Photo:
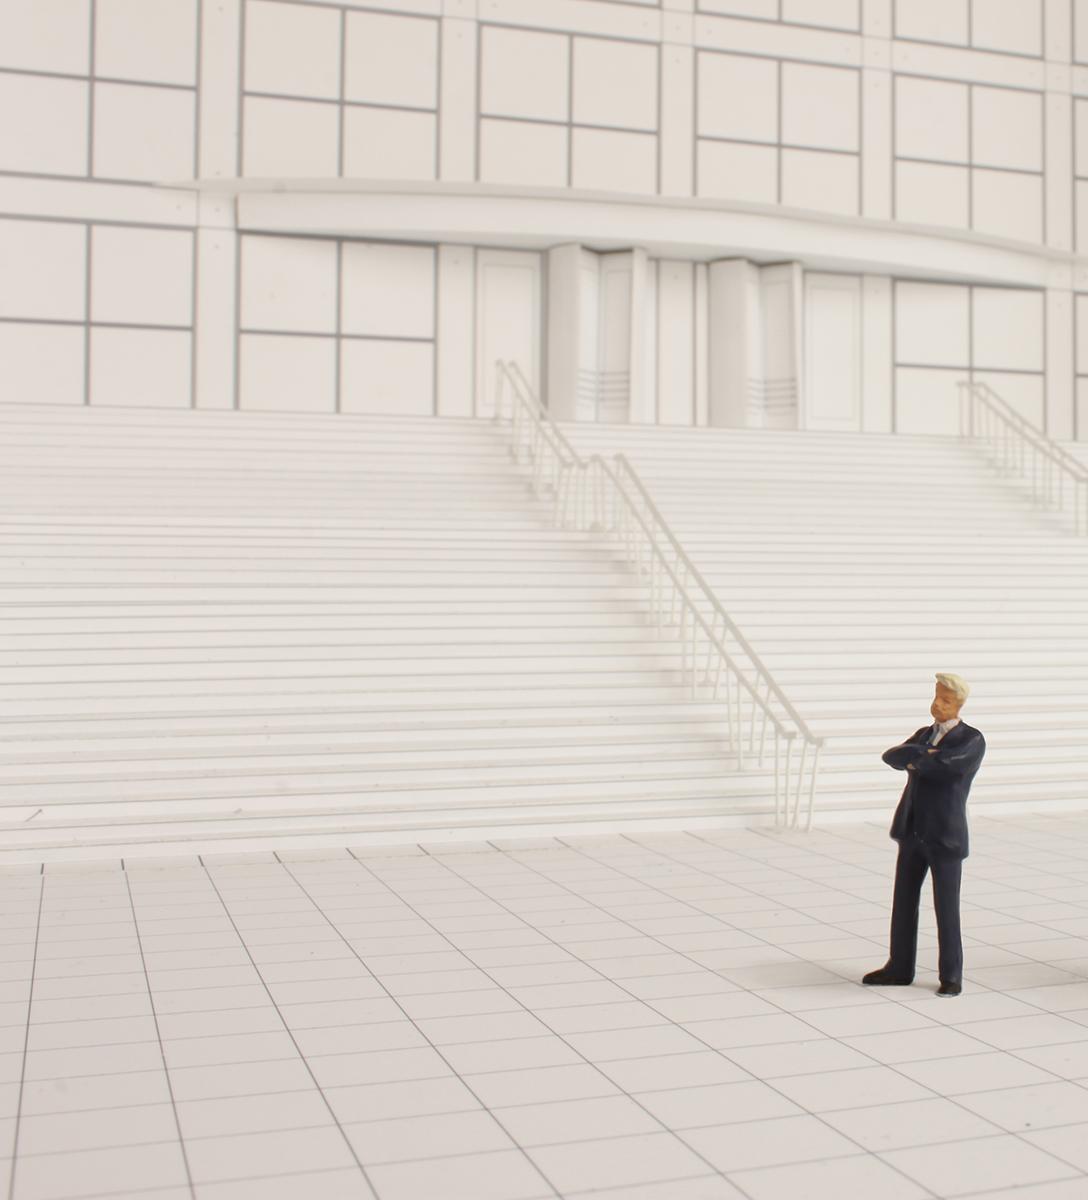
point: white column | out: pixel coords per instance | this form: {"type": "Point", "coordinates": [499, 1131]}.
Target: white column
{"type": "Point", "coordinates": [1058, 24]}
{"type": "Point", "coordinates": [876, 354]}
{"type": "Point", "coordinates": [877, 139]}
{"type": "Point", "coordinates": [216, 237]}
{"type": "Point", "coordinates": [730, 334]}
{"type": "Point", "coordinates": [677, 132]}
{"type": "Point", "coordinates": [702, 344]}
{"type": "Point", "coordinates": [216, 291]}
{"type": "Point", "coordinates": [876, 18]}
{"type": "Point", "coordinates": [677, 344]}
{"type": "Point", "coordinates": [778, 369]}
{"type": "Point", "coordinates": [1059, 158]}
{"type": "Point", "coordinates": [457, 103]}
{"type": "Point", "coordinates": [640, 391]}
{"type": "Point", "coordinates": [876, 110]}
{"type": "Point", "coordinates": [220, 36]}
{"type": "Point", "coordinates": [455, 336]}
{"type": "Point", "coordinates": [1060, 381]}
{"type": "Point", "coordinates": [564, 325]}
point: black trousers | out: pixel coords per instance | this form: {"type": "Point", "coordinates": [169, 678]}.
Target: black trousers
{"type": "Point", "coordinates": [915, 859]}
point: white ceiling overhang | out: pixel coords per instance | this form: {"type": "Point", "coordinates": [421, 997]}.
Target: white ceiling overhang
{"type": "Point", "coordinates": [667, 227]}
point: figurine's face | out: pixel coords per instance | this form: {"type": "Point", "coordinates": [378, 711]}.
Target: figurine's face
{"type": "Point", "coordinates": [946, 704]}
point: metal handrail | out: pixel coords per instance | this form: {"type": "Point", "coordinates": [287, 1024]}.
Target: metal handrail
{"type": "Point", "coordinates": [757, 666]}
{"type": "Point", "coordinates": [592, 494]}
{"type": "Point", "coordinates": [1015, 446]}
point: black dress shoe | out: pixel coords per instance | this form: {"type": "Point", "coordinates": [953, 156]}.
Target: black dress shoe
{"type": "Point", "coordinates": [950, 987]}
{"type": "Point", "coordinates": [886, 977]}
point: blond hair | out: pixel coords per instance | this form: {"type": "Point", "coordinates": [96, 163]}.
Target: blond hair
{"type": "Point", "coordinates": [954, 683]}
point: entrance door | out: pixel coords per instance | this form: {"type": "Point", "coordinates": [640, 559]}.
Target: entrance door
{"type": "Point", "coordinates": [832, 391]}
{"type": "Point", "coordinates": [507, 319]}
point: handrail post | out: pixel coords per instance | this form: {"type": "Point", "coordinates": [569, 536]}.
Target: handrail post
{"type": "Point", "coordinates": [1014, 446]}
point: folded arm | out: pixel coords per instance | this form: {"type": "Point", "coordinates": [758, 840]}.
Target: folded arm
{"type": "Point", "coordinates": [955, 760]}
{"type": "Point", "coordinates": [906, 754]}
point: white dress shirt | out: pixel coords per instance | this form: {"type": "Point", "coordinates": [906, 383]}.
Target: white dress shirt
{"type": "Point", "coordinates": [944, 728]}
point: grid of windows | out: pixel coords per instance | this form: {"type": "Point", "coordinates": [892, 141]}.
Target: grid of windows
{"type": "Point", "coordinates": [330, 91]}
{"type": "Point", "coordinates": [103, 89]}
{"type": "Point", "coordinates": [778, 132]}
{"type": "Point", "coordinates": [970, 156]}
{"type": "Point", "coordinates": [945, 333]}
{"type": "Point", "coordinates": [1014, 27]}
{"type": "Point", "coordinates": [121, 335]}
{"type": "Point", "coordinates": [329, 325]}
{"type": "Point", "coordinates": [563, 110]}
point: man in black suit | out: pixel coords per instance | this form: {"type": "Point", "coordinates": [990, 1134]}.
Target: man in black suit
{"type": "Point", "coordinates": [930, 826]}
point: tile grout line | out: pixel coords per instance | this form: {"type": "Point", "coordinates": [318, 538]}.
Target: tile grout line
{"type": "Point", "coordinates": [26, 1048]}
{"type": "Point", "coordinates": [162, 1049]}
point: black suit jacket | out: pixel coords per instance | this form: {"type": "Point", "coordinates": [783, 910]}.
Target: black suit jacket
{"type": "Point", "coordinates": [934, 802]}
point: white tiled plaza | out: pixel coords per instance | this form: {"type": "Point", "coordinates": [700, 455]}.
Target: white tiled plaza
{"type": "Point", "coordinates": [659, 1017]}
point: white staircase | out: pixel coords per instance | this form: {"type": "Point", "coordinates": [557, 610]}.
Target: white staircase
{"type": "Point", "coordinates": [858, 565]}
{"type": "Point", "coordinates": [239, 631]}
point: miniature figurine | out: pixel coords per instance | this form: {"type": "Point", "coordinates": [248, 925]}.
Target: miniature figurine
{"type": "Point", "coordinates": [930, 826]}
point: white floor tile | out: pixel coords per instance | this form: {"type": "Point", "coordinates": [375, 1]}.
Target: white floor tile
{"type": "Point", "coordinates": [238, 1156]}
{"type": "Point", "coordinates": [713, 1006]}
{"type": "Point", "coordinates": [914, 1044]}
{"type": "Point", "coordinates": [716, 1104]}
{"type": "Point", "coordinates": [1019, 1033]}
{"type": "Point", "coordinates": [541, 1084]}
{"type": "Point", "coordinates": [70, 1094]}
{"type": "Point", "coordinates": [656, 1039]}
{"type": "Point", "coordinates": [510, 1055]}
{"type": "Point", "coordinates": [798, 1058]}
{"type": "Point", "coordinates": [960, 1075]}
{"type": "Point", "coordinates": [377, 1066]}
{"type": "Point", "coordinates": [850, 1089]}
{"type": "Point", "coordinates": [1066, 1189]}
{"type": "Point", "coordinates": [253, 1114]}
{"type": "Point", "coordinates": [673, 1071]}
{"type": "Point", "coordinates": [959, 1168]}
{"type": "Point", "coordinates": [403, 1139]}
{"type": "Point", "coordinates": [706, 1187]}
{"type": "Point", "coordinates": [576, 1120]}
{"type": "Point", "coordinates": [829, 1179]}
{"type": "Point", "coordinates": [347, 1184]}
{"type": "Point", "coordinates": [1020, 1109]}
{"type": "Point", "coordinates": [913, 1123]}
{"type": "Point", "coordinates": [91, 1172]}
{"type": "Point", "coordinates": [54, 1133]}
{"type": "Point", "coordinates": [501, 1175]}
{"type": "Point", "coordinates": [766, 1143]}
{"type": "Point", "coordinates": [1069, 1143]}
{"type": "Point", "coordinates": [886, 1017]}
{"type": "Point", "coordinates": [613, 1162]}
{"type": "Point", "coordinates": [751, 1031]}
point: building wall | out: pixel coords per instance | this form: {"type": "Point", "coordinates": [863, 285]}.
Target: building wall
{"type": "Point", "coordinates": [970, 115]}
